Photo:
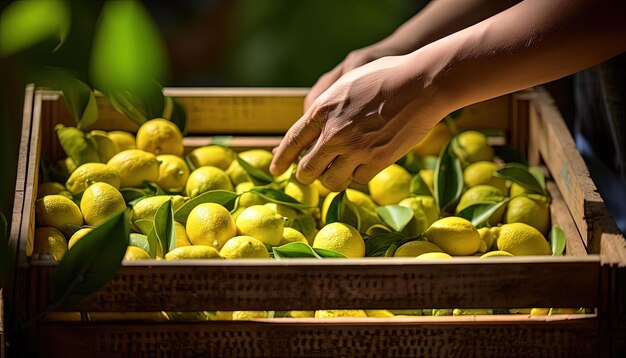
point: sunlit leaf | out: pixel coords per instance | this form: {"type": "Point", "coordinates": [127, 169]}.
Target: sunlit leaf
{"type": "Point", "coordinates": [77, 145]}
{"type": "Point", "coordinates": [324, 253]}
{"type": "Point", "coordinates": [520, 174]}
{"type": "Point", "coordinates": [225, 198]}
{"type": "Point", "coordinates": [259, 176]}
{"type": "Point", "coordinates": [378, 245]}
{"type": "Point", "coordinates": [294, 250]}
{"type": "Point", "coordinates": [164, 226]}
{"type": "Point", "coordinates": [418, 186]}
{"type": "Point", "coordinates": [139, 105]}
{"type": "Point", "coordinates": [448, 179]}
{"type": "Point", "coordinates": [557, 241]}
{"type": "Point", "coordinates": [140, 241]}
{"type": "Point", "coordinates": [480, 213]}
{"type": "Point", "coordinates": [395, 216]}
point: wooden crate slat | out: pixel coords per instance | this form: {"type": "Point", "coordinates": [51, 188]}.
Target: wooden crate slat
{"type": "Point", "coordinates": [334, 284]}
{"type": "Point", "coordinates": [345, 338]}
{"type": "Point", "coordinates": [561, 216]}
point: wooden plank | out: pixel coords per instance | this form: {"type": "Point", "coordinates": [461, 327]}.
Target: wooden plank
{"type": "Point", "coordinates": [560, 215]}
{"type": "Point", "coordinates": [459, 338]}
{"type": "Point", "coordinates": [300, 284]}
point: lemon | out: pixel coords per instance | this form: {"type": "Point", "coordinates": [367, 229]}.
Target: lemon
{"type": "Point", "coordinates": [247, 315]}
{"type": "Point", "coordinates": [90, 173]}
{"type": "Point", "coordinates": [434, 141]}
{"type": "Point", "coordinates": [49, 188]}
{"type": "Point", "coordinates": [210, 224]}
{"type": "Point", "coordinates": [194, 252]}
{"type": "Point", "coordinates": [135, 253]}
{"type": "Point", "coordinates": [425, 212]}
{"type": "Point", "coordinates": [248, 199]}
{"type": "Point", "coordinates": [497, 253]}
{"type": "Point", "coordinates": [471, 147]}
{"type": "Point", "coordinates": [520, 239]}
{"type": "Point", "coordinates": [482, 172]}
{"type": "Point", "coordinates": [212, 155]}
{"type": "Point", "coordinates": [100, 202]}
{"type": "Point", "coordinates": [235, 214]}
{"type": "Point", "coordinates": [50, 241]}
{"type": "Point", "coordinates": [292, 235]}
{"type": "Point", "coordinates": [456, 236]}
{"type": "Point", "coordinates": [160, 136]}
{"type": "Point", "coordinates": [173, 173]}
{"type": "Point", "coordinates": [258, 158]}
{"type": "Point", "coordinates": [487, 236]}
{"type": "Point", "coordinates": [482, 194]}
{"type": "Point", "coordinates": [262, 223]}
{"type": "Point", "coordinates": [363, 204]}
{"type": "Point", "coordinates": [69, 164]}
{"type": "Point", "coordinates": [516, 190]}
{"type": "Point", "coordinates": [58, 212]}
{"type": "Point", "coordinates": [289, 214]}
{"type": "Point", "coordinates": [78, 235]}
{"type": "Point", "coordinates": [531, 209]}
{"type": "Point", "coordinates": [379, 313]}
{"type": "Point", "coordinates": [539, 311]}
{"type": "Point", "coordinates": [104, 145]}
{"type": "Point", "coordinates": [341, 238]}
{"type": "Point", "coordinates": [339, 313]}
{"type": "Point", "coordinates": [181, 235]}
{"type": "Point", "coordinates": [472, 311]}
{"type": "Point", "coordinates": [390, 185]}
{"type": "Point", "coordinates": [434, 255]}
{"type": "Point", "coordinates": [237, 173]}
{"type": "Point", "coordinates": [135, 167]}
{"type": "Point", "coordinates": [305, 194]}
{"type": "Point", "coordinates": [483, 248]}
{"type": "Point", "coordinates": [428, 177]}
{"type": "Point", "coordinates": [416, 248]}
{"type": "Point", "coordinates": [123, 140]}
{"type": "Point", "coordinates": [206, 179]}
{"type": "Point", "coordinates": [301, 314]}
{"type": "Point", "coordinates": [145, 208]}
{"type": "Point", "coordinates": [244, 247]}
{"type": "Point", "coordinates": [224, 315]}
{"type": "Point", "coordinates": [321, 189]}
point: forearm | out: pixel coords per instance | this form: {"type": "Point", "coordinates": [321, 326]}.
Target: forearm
{"type": "Point", "coordinates": [439, 19]}
{"type": "Point", "coordinates": [531, 43]}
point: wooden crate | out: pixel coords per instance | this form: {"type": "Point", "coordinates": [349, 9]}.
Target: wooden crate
{"type": "Point", "coordinates": [591, 275]}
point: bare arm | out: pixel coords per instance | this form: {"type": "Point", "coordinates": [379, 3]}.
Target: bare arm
{"type": "Point", "coordinates": [438, 19]}
{"type": "Point", "coordinates": [376, 113]}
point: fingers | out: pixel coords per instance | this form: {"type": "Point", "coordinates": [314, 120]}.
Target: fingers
{"type": "Point", "coordinates": [322, 84]}
{"type": "Point", "coordinates": [299, 136]}
{"type": "Point", "coordinates": [315, 162]}
{"type": "Point", "coordinates": [339, 175]}
{"type": "Point", "coordinates": [365, 172]}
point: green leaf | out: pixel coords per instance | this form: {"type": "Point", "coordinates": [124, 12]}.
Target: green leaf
{"type": "Point", "coordinates": [279, 197]}
{"type": "Point", "coordinates": [395, 216]}
{"type": "Point", "coordinates": [342, 210]}
{"type": "Point", "coordinates": [557, 241]}
{"type": "Point", "coordinates": [509, 154]}
{"type": "Point", "coordinates": [378, 245]}
{"type": "Point", "coordinates": [520, 174]}
{"type": "Point", "coordinates": [448, 179]}
{"type": "Point", "coordinates": [154, 188]}
{"type": "Point", "coordinates": [324, 253]}
{"type": "Point", "coordinates": [257, 174]}
{"type": "Point", "coordinates": [224, 198]}
{"type": "Point", "coordinates": [418, 187]}
{"type": "Point", "coordinates": [164, 227]}
{"type": "Point", "coordinates": [140, 241]}
{"type": "Point", "coordinates": [139, 106]}
{"type": "Point", "coordinates": [92, 262]}
{"type": "Point", "coordinates": [144, 225]}
{"type": "Point", "coordinates": [538, 174]}
{"type": "Point", "coordinates": [333, 214]}
{"type": "Point", "coordinates": [480, 213]}
{"type": "Point", "coordinates": [175, 112]}
{"type": "Point", "coordinates": [391, 250]}
{"type": "Point", "coordinates": [24, 24]}
{"type": "Point", "coordinates": [5, 262]}
{"type": "Point", "coordinates": [77, 145]}
{"type": "Point", "coordinates": [127, 51]}
{"type": "Point", "coordinates": [294, 250]}
{"type": "Point", "coordinates": [153, 242]}
{"type": "Point", "coordinates": [190, 163]}
{"type": "Point", "coordinates": [133, 194]}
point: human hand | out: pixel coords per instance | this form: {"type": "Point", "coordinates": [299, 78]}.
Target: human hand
{"type": "Point", "coordinates": [364, 122]}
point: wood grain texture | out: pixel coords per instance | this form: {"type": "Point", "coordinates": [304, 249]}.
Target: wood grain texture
{"type": "Point", "coordinates": [334, 284]}
{"type": "Point", "coordinates": [343, 338]}
{"type": "Point", "coordinates": [560, 215]}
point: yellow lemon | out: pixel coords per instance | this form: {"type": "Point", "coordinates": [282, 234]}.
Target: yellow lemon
{"type": "Point", "coordinates": [428, 177]}
{"type": "Point", "coordinates": [339, 313]}
{"type": "Point", "coordinates": [173, 173]}
{"type": "Point", "coordinates": [456, 236]}
{"type": "Point", "coordinates": [50, 241]}
{"type": "Point", "coordinates": [379, 313]}
{"type": "Point", "coordinates": [262, 223]}
{"type": "Point", "coordinates": [90, 173]}
{"type": "Point", "coordinates": [539, 311]}
{"type": "Point", "coordinates": [100, 202]}
{"type": "Point", "coordinates": [416, 248]}
{"type": "Point", "coordinates": [206, 179]}
{"type": "Point", "coordinates": [135, 167]}
{"type": "Point", "coordinates": [135, 253]}
{"type": "Point", "coordinates": [160, 136]}
{"type": "Point", "coordinates": [248, 199]}
{"type": "Point", "coordinates": [210, 224]}
{"type": "Point", "coordinates": [321, 189]}
{"type": "Point", "coordinates": [258, 158]}
{"type": "Point", "coordinates": [520, 239]}
{"type": "Point", "coordinates": [472, 311]}
{"type": "Point", "coordinates": [212, 155]}
{"type": "Point", "coordinates": [434, 255]}
{"type": "Point", "coordinates": [78, 235]}
{"type": "Point", "coordinates": [104, 145]}
{"type": "Point", "coordinates": [244, 247]}
{"type": "Point", "coordinates": [237, 173]}
{"type": "Point", "coordinates": [58, 212]}
{"type": "Point", "coordinates": [425, 212]}
{"type": "Point", "coordinates": [482, 194]}
{"type": "Point", "coordinates": [306, 194]}
{"type": "Point", "coordinates": [434, 141]}
{"type": "Point", "coordinates": [471, 147]}
{"type": "Point", "coordinates": [194, 252]}
{"type": "Point", "coordinates": [341, 238]}
{"type": "Point", "coordinates": [49, 188]}
{"type": "Point", "coordinates": [123, 140]}
{"type": "Point", "coordinates": [516, 190]}
{"type": "Point", "coordinates": [390, 185]}
{"type": "Point", "coordinates": [531, 209]}
{"type": "Point", "coordinates": [292, 235]}
{"type": "Point", "coordinates": [487, 236]}
{"type": "Point", "coordinates": [497, 253]}
{"type": "Point", "coordinates": [68, 164]}
{"type": "Point", "coordinates": [482, 173]}
{"type": "Point", "coordinates": [181, 235]}
{"type": "Point", "coordinates": [301, 314]}
{"type": "Point", "coordinates": [248, 315]}
{"type": "Point", "coordinates": [145, 208]}
{"type": "Point", "coordinates": [286, 212]}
